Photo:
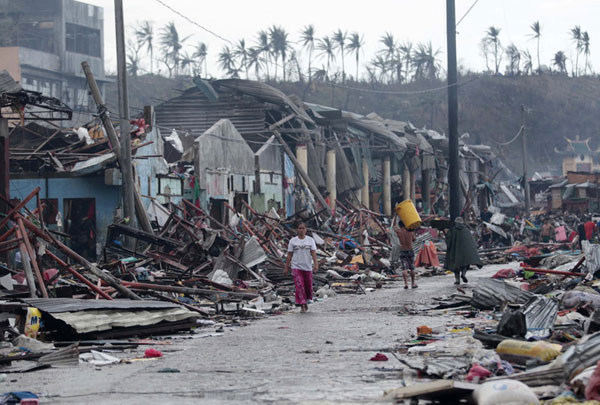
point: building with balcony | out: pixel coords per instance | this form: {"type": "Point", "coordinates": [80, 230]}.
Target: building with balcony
{"type": "Point", "coordinates": [42, 45]}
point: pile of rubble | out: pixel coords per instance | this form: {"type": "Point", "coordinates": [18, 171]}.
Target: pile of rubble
{"type": "Point", "coordinates": [528, 333]}
{"type": "Point", "coordinates": [192, 274]}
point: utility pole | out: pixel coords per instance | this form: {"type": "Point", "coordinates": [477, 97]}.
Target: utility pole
{"type": "Point", "coordinates": [453, 174]}
{"type": "Point", "coordinates": [525, 157]}
{"type": "Point", "coordinates": [140, 211]}
{"type": "Point", "coordinates": [125, 137]}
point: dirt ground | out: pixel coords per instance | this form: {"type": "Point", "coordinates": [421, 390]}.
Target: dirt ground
{"type": "Point", "coordinates": [318, 357]}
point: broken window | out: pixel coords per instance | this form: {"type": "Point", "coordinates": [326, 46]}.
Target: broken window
{"type": "Point", "coordinates": [84, 40]}
{"type": "Point", "coordinates": [170, 186]}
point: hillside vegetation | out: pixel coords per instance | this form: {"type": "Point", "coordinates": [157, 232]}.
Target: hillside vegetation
{"type": "Point", "coordinates": [489, 107]}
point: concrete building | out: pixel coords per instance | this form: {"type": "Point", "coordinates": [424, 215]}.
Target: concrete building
{"type": "Point", "coordinates": [579, 157]}
{"type": "Point", "coordinates": [42, 45]}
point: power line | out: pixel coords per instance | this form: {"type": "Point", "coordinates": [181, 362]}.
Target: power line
{"type": "Point", "coordinates": [468, 11]}
{"type": "Point", "coordinates": [403, 92]}
{"type": "Point", "coordinates": [334, 84]}
{"type": "Point", "coordinates": [512, 140]}
{"type": "Point", "coordinates": [194, 22]}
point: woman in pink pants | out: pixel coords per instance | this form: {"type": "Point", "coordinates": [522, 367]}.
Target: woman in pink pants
{"type": "Point", "coordinates": [302, 259]}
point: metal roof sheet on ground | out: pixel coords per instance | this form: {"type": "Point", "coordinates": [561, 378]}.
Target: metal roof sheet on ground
{"type": "Point", "coordinates": [101, 320]}
{"type": "Point", "coordinates": [58, 305]}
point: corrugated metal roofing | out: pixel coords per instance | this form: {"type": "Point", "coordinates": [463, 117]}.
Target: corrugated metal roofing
{"type": "Point", "coordinates": [193, 112]}
{"type": "Point", "coordinates": [263, 92]}
{"type": "Point", "coordinates": [58, 305]}
{"type": "Point", "coordinates": [101, 320]}
{"type": "Point", "coordinates": [7, 83]}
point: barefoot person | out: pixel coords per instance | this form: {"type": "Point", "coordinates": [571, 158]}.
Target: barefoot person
{"type": "Point", "coordinates": [407, 256]}
{"type": "Point", "coordinates": [302, 259]}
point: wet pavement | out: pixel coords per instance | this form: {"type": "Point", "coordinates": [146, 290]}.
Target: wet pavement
{"type": "Point", "coordinates": [321, 356]}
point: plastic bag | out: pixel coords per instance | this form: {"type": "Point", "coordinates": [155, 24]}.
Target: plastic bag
{"type": "Point", "coordinates": [543, 351]}
{"type": "Point", "coordinates": [512, 324]}
{"type": "Point", "coordinates": [505, 392]}
{"type": "Point", "coordinates": [478, 373]}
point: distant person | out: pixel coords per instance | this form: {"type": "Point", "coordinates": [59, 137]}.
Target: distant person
{"type": "Point", "coordinates": [302, 259]}
{"type": "Point", "coordinates": [407, 255]}
{"type": "Point", "coordinates": [486, 237]}
{"type": "Point", "coordinates": [461, 250]}
{"type": "Point", "coordinates": [590, 230]}
{"type": "Point", "coordinates": [486, 215]}
{"type": "Point", "coordinates": [547, 231]}
{"type": "Point", "coordinates": [581, 231]}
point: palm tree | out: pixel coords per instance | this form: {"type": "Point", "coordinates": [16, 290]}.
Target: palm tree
{"type": "Point", "coordinates": [576, 36]}
{"type": "Point", "coordinates": [527, 62]}
{"type": "Point", "coordinates": [425, 59]}
{"type": "Point", "coordinates": [227, 62]}
{"type": "Point", "coordinates": [327, 49]}
{"type": "Point", "coordinates": [492, 36]}
{"type": "Point", "coordinates": [537, 33]}
{"type": "Point", "coordinates": [145, 37]}
{"type": "Point", "coordinates": [200, 53]}
{"type": "Point", "coordinates": [241, 52]}
{"type": "Point", "coordinates": [187, 62]}
{"type": "Point", "coordinates": [307, 36]}
{"type": "Point", "coordinates": [379, 63]}
{"type": "Point", "coordinates": [389, 51]}
{"type": "Point", "coordinates": [172, 44]}
{"type": "Point", "coordinates": [339, 38]}
{"type": "Point", "coordinates": [280, 45]}
{"type": "Point", "coordinates": [514, 60]}
{"type": "Point", "coordinates": [355, 45]}
{"type": "Point", "coordinates": [585, 46]}
{"type": "Point", "coordinates": [133, 58]}
{"type": "Point", "coordinates": [263, 46]}
{"type": "Point", "coordinates": [255, 60]}
{"type": "Point", "coordinates": [560, 61]}
{"type": "Point", "coordinates": [406, 50]}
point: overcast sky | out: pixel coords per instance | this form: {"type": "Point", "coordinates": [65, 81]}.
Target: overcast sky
{"type": "Point", "coordinates": [413, 20]}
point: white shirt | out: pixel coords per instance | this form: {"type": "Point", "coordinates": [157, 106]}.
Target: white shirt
{"type": "Point", "coordinates": [302, 248]}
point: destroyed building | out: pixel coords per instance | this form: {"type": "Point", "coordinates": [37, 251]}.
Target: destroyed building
{"type": "Point", "coordinates": [43, 43]}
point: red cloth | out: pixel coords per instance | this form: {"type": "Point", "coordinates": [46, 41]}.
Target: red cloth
{"type": "Point", "coordinates": [592, 391]}
{"type": "Point", "coordinates": [428, 256]}
{"type": "Point", "coordinates": [379, 357]}
{"type": "Point", "coordinates": [479, 372]}
{"type": "Point", "coordinates": [152, 353]}
{"type": "Point", "coordinates": [572, 236]}
{"type": "Point", "coordinates": [303, 280]}
{"type": "Point", "coordinates": [589, 230]}
{"type": "Point", "coordinates": [505, 273]}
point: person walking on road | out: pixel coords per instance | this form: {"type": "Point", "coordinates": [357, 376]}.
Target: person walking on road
{"type": "Point", "coordinates": [461, 250]}
{"type": "Point", "coordinates": [407, 255]}
{"type": "Point", "coordinates": [302, 259]}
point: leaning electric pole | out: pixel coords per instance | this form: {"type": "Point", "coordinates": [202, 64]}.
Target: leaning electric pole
{"type": "Point", "coordinates": [125, 137]}
{"type": "Point", "coordinates": [524, 151]}
{"type": "Point", "coordinates": [453, 174]}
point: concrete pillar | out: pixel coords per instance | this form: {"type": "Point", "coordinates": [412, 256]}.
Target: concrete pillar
{"type": "Point", "coordinates": [413, 187]}
{"type": "Point", "coordinates": [302, 157]}
{"type": "Point", "coordinates": [406, 183]}
{"type": "Point", "coordinates": [4, 164]}
{"type": "Point", "coordinates": [425, 190]}
{"type": "Point", "coordinates": [331, 178]}
{"type": "Point", "coordinates": [364, 192]}
{"type": "Point", "coordinates": [387, 187]}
